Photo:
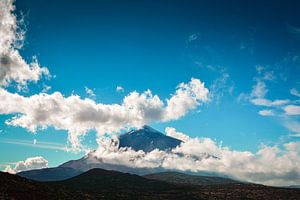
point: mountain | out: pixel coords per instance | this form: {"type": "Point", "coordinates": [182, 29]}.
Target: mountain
{"type": "Point", "coordinates": [106, 184]}
{"type": "Point", "coordinates": [294, 186]}
{"type": "Point", "coordinates": [108, 181]}
{"type": "Point", "coordinates": [50, 174]}
{"type": "Point", "coordinates": [185, 179]}
{"type": "Point", "coordinates": [93, 184]}
{"type": "Point", "coordinates": [90, 162]}
{"type": "Point", "coordinates": [102, 184]}
{"type": "Point", "coordinates": [19, 188]}
{"type": "Point", "coordinates": [147, 139]}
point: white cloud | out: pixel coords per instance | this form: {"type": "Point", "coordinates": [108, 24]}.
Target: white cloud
{"type": "Point", "coordinates": [281, 108]}
{"type": "Point", "coordinates": [78, 116]}
{"type": "Point", "coordinates": [187, 97]}
{"type": "Point", "coordinates": [193, 37]}
{"type": "Point", "coordinates": [170, 131]}
{"type": "Point", "coordinates": [46, 88]}
{"type": "Point", "coordinates": [295, 92]}
{"type": "Point", "coordinates": [119, 89]}
{"type": "Point", "coordinates": [13, 68]}
{"type": "Point", "coordinates": [259, 90]}
{"type": "Point", "coordinates": [269, 165]}
{"type": "Point", "coordinates": [266, 113]}
{"type": "Point", "coordinates": [89, 92]}
{"type": "Point", "coordinates": [269, 103]}
{"type": "Point", "coordinates": [292, 110]}
{"type": "Point", "coordinates": [221, 86]}
{"type": "Point", "coordinates": [72, 113]}
{"type": "Point", "coordinates": [264, 73]}
{"type": "Point", "coordinates": [29, 164]}
{"type": "Point", "coordinates": [293, 126]}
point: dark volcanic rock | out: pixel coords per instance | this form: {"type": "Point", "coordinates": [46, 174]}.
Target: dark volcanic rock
{"type": "Point", "coordinates": [147, 139]}
{"type": "Point", "coordinates": [50, 174]}
{"type": "Point", "coordinates": [103, 184]}
{"type": "Point", "coordinates": [186, 179]}
{"type": "Point", "coordinates": [19, 188]}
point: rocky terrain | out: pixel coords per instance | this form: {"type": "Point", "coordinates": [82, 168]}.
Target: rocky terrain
{"type": "Point", "coordinates": [104, 184]}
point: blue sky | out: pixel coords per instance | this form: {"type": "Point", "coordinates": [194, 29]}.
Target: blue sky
{"type": "Point", "coordinates": [156, 45]}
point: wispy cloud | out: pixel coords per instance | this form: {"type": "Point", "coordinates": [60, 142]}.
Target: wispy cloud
{"type": "Point", "coordinates": [221, 86]}
{"type": "Point", "coordinates": [269, 103]}
{"type": "Point", "coordinates": [286, 110]}
{"type": "Point", "coordinates": [293, 29]}
{"type": "Point", "coordinates": [36, 144]}
{"type": "Point", "coordinates": [89, 92]}
{"type": "Point", "coordinates": [293, 126]}
{"type": "Point", "coordinates": [295, 92]}
{"type": "Point", "coordinates": [266, 113]}
{"type": "Point", "coordinates": [119, 89]}
{"type": "Point", "coordinates": [193, 37]}
{"type": "Point", "coordinates": [46, 88]}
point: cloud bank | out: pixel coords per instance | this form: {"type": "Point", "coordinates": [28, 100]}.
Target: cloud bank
{"type": "Point", "coordinates": [37, 162]}
{"type": "Point", "coordinates": [78, 116]}
{"type": "Point", "coordinates": [270, 165]}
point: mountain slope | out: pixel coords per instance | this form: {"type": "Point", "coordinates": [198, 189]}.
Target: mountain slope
{"type": "Point", "coordinates": [103, 184]}
{"type": "Point", "coordinates": [100, 179]}
{"type": "Point", "coordinates": [106, 184]}
{"type": "Point", "coordinates": [89, 162]}
{"type": "Point", "coordinates": [181, 178]}
{"type": "Point", "coordinates": [147, 139]}
{"type": "Point", "coordinates": [50, 174]}
{"type": "Point", "coordinates": [16, 187]}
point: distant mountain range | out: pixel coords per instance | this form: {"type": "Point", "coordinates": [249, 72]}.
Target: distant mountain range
{"type": "Point", "coordinates": [104, 184]}
{"type": "Point", "coordinates": [50, 174]}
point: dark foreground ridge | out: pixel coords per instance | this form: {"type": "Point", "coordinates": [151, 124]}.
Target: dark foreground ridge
{"type": "Point", "coordinates": [105, 184]}
{"type": "Point", "coordinates": [186, 179]}
{"type": "Point", "coordinates": [19, 188]}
